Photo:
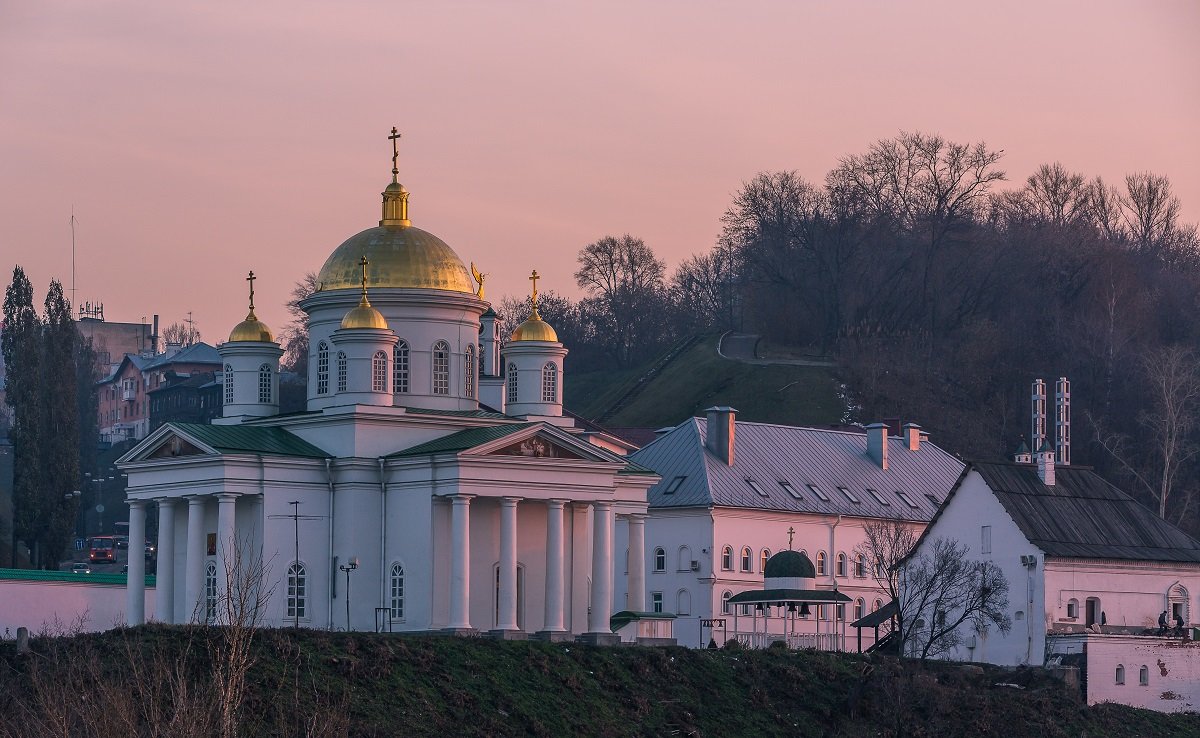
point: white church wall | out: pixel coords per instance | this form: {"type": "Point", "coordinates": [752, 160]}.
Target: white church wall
{"type": "Point", "coordinates": [1130, 593]}
{"type": "Point", "coordinates": [972, 509]}
{"type": "Point", "coordinates": [53, 607]}
{"type": "Point", "coordinates": [1170, 681]}
{"type": "Point", "coordinates": [673, 530]}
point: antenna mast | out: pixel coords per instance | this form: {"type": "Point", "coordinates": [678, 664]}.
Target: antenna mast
{"type": "Point", "coordinates": [73, 222]}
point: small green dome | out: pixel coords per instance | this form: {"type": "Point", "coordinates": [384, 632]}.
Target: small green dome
{"type": "Point", "coordinates": [789, 564]}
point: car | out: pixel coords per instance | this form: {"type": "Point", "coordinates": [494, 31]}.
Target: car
{"type": "Point", "coordinates": [81, 567]}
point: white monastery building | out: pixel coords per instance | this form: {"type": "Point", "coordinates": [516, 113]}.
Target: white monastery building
{"type": "Point", "coordinates": [433, 482]}
{"type": "Point", "coordinates": [734, 494]}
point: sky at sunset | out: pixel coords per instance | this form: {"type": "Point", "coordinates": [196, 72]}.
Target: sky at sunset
{"type": "Point", "coordinates": [199, 140]}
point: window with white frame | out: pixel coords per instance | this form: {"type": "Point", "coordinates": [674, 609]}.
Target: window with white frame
{"type": "Point", "coordinates": [725, 602]}
{"type": "Point", "coordinates": [841, 564]}
{"type": "Point", "coordinates": [441, 368]}
{"type": "Point", "coordinates": [1120, 676]}
{"type": "Point", "coordinates": [265, 383]}
{"type": "Point", "coordinates": [727, 558]}
{"type": "Point", "coordinates": [877, 604]}
{"type": "Point", "coordinates": [379, 372]}
{"type": "Point", "coordinates": [511, 379]}
{"type": "Point", "coordinates": [859, 608]}
{"type": "Point", "coordinates": [660, 560]}
{"type": "Point", "coordinates": [297, 591]}
{"type": "Point", "coordinates": [210, 592]}
{"type": "Point", "coordinates": [822, 564]}
{"type": "Point", "coordinates": [860, 566]}
{"type": "Point", "coordinates": [396, 591]}
{"type": "Point", "coordinates": [1144, 675]}
{"type": "Point", "coordinates": [343, 377]}
{"type": "Point", "coordinates": [228, 384]}
{"type": "Point", "coordinates": [656, 602]}
{"type": "Point", "coordinates": [550, 382]}
{"type": "Point", "coordinates": [746, 565]}
{"type": "Point", "coordinates": [685, 558]}
{"type": "Point", "coordinates": [469, 372]}
{"type": "Point", "coordinates": [1073, 608]}
{"type": "Point", "coordinates": [763, 557]}
{"type": "Point", "coordinates": [322, 368]}
{"type": "Point", "coordinates": [683, 602]}
{"type": "Point", "coordinates": [400, 368]}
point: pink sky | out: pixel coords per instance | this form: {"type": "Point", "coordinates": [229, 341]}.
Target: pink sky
{"type": "Point", "coordinates": [198, 140]}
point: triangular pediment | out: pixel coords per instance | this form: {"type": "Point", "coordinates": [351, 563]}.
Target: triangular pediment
{"type": "Point", "coordinates": [174, 446]}
{"type": "Point", "coordinates": [168, 442]}
{"type": "Point", "coordinates": [537, 446]}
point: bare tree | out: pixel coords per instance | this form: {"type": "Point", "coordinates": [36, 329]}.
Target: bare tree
{"type": "Point", "coordinates": [1151, 211]}
{"type": "Point", "coordinates": [626, 307]}
{"type": "Point", "coordinates": [1056, 195]}
{"type": "Point", "coordinates": [943, 589]}
{"type": "Point", "coordinates": [1172, 381]}
{"type": "Point", "coordinates": [294, 336]}
{"type": "Point", "coordinates": [184, 334]}
{"type": "Point", "coordinates": [885, 546]}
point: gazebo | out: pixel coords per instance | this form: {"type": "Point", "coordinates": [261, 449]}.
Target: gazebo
{"type": "Point", "coordinates": [789, 586]}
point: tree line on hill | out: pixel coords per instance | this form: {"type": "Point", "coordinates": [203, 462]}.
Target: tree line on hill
{"type": "Point", "coordinates": [50, 386]}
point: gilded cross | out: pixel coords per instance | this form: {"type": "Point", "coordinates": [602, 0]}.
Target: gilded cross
{"type": "Point", "coordinates": [251, 279]}
{"type": "Point", "coordinates": [363, 263]}
{"type": "Point", "coordinates": [395, 152]}
{"type": "Point", "coordinates": [534, 278]}
{"type": "Point", "coordinates": [791, 532]}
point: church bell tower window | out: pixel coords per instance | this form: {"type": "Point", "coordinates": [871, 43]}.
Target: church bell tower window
{"type": "Point", "coordinates": [549, 382]}
{"type": "Point", "coordinates": [343, 380]}
{"type": "Point", "coordinates": [469, 372]}
{"type": "Point", "coordinates": [379, 372]}
{"type": "Point", "coordinates": [512, 383]}
{"type": "Point", "coordinates": [228, 384]}
{"type": "Point", "coordinates": [441, 368]}
{"type": "Point", "coordinates": [264, 384]}
{"type": "Point", "coordinates": [400, 368]}
{"type": "Point", "coordinates": [322, 368]}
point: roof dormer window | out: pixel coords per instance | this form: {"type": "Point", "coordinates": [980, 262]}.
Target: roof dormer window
{"type": "Point", "coordinates": [756, 487]}
{"type": "Point", "coordinates": [817, 491]}
{"type": "Point", "coordinates": [787, 487]}
{"type": "Point", "coordinates": [878, 497]}
{"type": "Point", "coordinates": [850, 495]}
{"type": "Point", "coordinates": [907, 500]}
{"type": "Point", "coordinates": [673, 487]}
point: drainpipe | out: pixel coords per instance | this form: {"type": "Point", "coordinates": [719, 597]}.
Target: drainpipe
{"type": "Point", "coordinates": [833, 554]}
{"type": "Point", "coordinates": [332, 570]}
{"type": "Point", "coordinates": [383, 572]}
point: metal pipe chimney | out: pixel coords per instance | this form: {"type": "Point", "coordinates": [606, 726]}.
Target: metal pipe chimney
{"type": "Point", "coordinates": [1038, 434]}
{"type": "Point", "coordinates": [1062, 421]}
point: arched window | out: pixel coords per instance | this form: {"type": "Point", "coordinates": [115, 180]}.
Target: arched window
{"type": "Point", "coordinates": [512, 383]}
{"type": "Point", "coordinates": [878, 604]}
{"type": "Point", "coordinates": [685, 558]}
{"type": "Point", "coordinates": [343, 372]}
{"type": "Point", "coordinates": [746, 556]}
{"type": "Point", "coordinates": [1120, 677]}
{"type": "Point", "coordinates": [550, 382]}
{"type": "Point", "coordinates": [727, 558]}
{"type": "Point", "coordinates": [265, 383]}
{"type": "Point", "coordinates": [660, 560]}
{"type": "Point", "coordinates": [762, 559]}
{"type": "Point", "coordinates": [322, 368]}
{"type": "Point", "coordinates": [1144, 675]}
{"type": "Point", "coordinates": [469, 372]}
{"type": "Point", "coordinates": [725, 601]}
{"type": "Point", "coordinates": [1073, 608]}
{"type": "Point", "coordinates": [396, 588]}
{"type": "Point", "coordinates": [841, 565]}
{"type": "Point", "coordinates": [822, 564]}
{"type": "Point", "coordinates": [860, 566]}
{"type": "Point", "coordinates": [441, 368]}
{"type": "Point", "coordinates": [683, 602]}
{"type": "Point", "coordinates": [210, 592]}
{"type": "Point", "coordinates": [400, 367]}
{"type": "Point", "coordinates": [379, 372]}
{"type": "Point", "coordinates": [859, 608]}
{"type": "Point", "coordinates": [228, 384]}
{"type": "Point", "coordinates": [297, 591]}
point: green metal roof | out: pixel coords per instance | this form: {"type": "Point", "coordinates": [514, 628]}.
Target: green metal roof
{"type": "Point", "coordinates": [632, 467]}
{"type": "Point", "coordinates": [789, 595]}
{"type": "Point", "coordinates": [462, 440]}
{"type": "Point", "coordinates": [251, 439]}
{"type": "Point", "coordinates": [789, 564]}
{"type": "Point", "coordinates": [457, 413]}
{"type": "Point", "coordinates": [624, 617]}
{"type": "Point", "coordinates": [38, 575]}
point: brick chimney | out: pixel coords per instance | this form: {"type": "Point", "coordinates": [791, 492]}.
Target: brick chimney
{"type": "Point", "coordinates": [719, 438]}
{"type": "Point", "coordinates": [1045, 463]}
{"type": "Point", "coordinates": [877, 443]}
{"type": "Point", "coordinates": [912, 436]}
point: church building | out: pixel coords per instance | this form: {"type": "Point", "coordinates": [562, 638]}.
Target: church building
{"type": "Point", "coordinates": [432, 483]}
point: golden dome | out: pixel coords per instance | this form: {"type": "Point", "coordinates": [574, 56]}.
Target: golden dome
{"type": "Point", "coordinates": [400, 256]}
{"type": "Point", "coordinates": [364, 316]}
{"type": "Point", "coordinates": [251, 329]}
{"type": "Point", "coordinates": [534, 329]}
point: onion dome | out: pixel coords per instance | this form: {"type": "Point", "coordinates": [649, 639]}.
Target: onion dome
{"type": "Point", "coordinates": [789, 564]}
{"type": "Point", "coordinates": [251, 329]}
{"type": "Point", "coordinates": [364, 316]}
{"type": "Point", "coordinates": [534, 328]}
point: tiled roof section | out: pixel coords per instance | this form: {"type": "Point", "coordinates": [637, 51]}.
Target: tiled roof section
{"type": "Point", "coordinates": [1083, 516]}
{"type": "Point", "coordinates": [772, 454]}
{"type": "Point", "coordinates": [251, 439]}
{"type": "Point", "coordinates": [462, 440]}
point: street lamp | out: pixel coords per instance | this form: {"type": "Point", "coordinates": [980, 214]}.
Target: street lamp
{"type": "Point", "coordinates": [348, 567]}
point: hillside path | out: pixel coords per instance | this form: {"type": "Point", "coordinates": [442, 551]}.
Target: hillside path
{"type": "Point", "coordinates": [741, 347]}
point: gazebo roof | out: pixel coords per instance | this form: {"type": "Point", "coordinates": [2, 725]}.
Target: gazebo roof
{"type": "Point", "coordinates": [788, 595]}
{"type": "Point", "coordinates": [879, 617]}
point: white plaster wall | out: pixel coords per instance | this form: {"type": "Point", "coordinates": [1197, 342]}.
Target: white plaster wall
{"type": "Point", "coordinates": [972, 507]}
{"type": "Point", "coordinates": [1173, 670]}
{"type": "Point", "coordinates": [61, 607]}
{"type": "Point", "coordinates": [1131, 593]}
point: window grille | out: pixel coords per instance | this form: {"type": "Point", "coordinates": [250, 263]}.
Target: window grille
{"type": "Point", "coordinates": [441, 368]}
{"type": "Point", "coordinates": [400, 368]}
{"type": "Point", "coordinates": [322, 368]}
{"type": "Point", "coordinates": [379, 372]}
{"type": "Point", "coordinates": [264, 384]}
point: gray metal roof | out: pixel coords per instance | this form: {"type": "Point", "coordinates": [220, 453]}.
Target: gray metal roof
{"type": "Point", "coordinates": [1083, 516]}
{"type": "Point", "coordinates": [770, 454]}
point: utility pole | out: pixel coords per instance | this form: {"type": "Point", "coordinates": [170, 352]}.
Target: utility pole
{"type": "Point", "coordinates": [74, 220]}
{"type": "Point", "coordinates": [296, 518]}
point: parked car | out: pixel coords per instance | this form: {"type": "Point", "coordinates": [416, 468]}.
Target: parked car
{"type": "Point", "coordinates": [149, 550]}
{"type": "Point", "coordinates": [81, 567]}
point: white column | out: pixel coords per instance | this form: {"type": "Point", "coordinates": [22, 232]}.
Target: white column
{"type": "Point", "coordinates": [554, 565]}
{"type": "Point", "coordinates": [637, 563]}
{"type": "Point", "coordinates": [226, 545]}
{"type": "Point", "coordinates": [460, 562]}
{"type": "Point", "coordinates": [164, 587]}
{"type": "Point", "coordinates": [135, 588]}
{"type": "Point", "coordinates": [506, 618]}
{"type": "Point", "coordinates": [602, 568]}
{"type": "Point", "coordinates": [197, 551]}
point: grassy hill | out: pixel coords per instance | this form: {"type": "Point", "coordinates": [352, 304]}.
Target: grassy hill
{"type": "Point", "coordinates": [698, 378]}
{"type": "Point", "coordinates": [161, 680]}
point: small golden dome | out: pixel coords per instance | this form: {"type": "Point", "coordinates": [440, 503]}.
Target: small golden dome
{"type": "Point", "coordinates": [364, 316]}
{"type": "Point", "coordinates": [534, 329]}
{"type": "Point", "coordinates": [251, 329]}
